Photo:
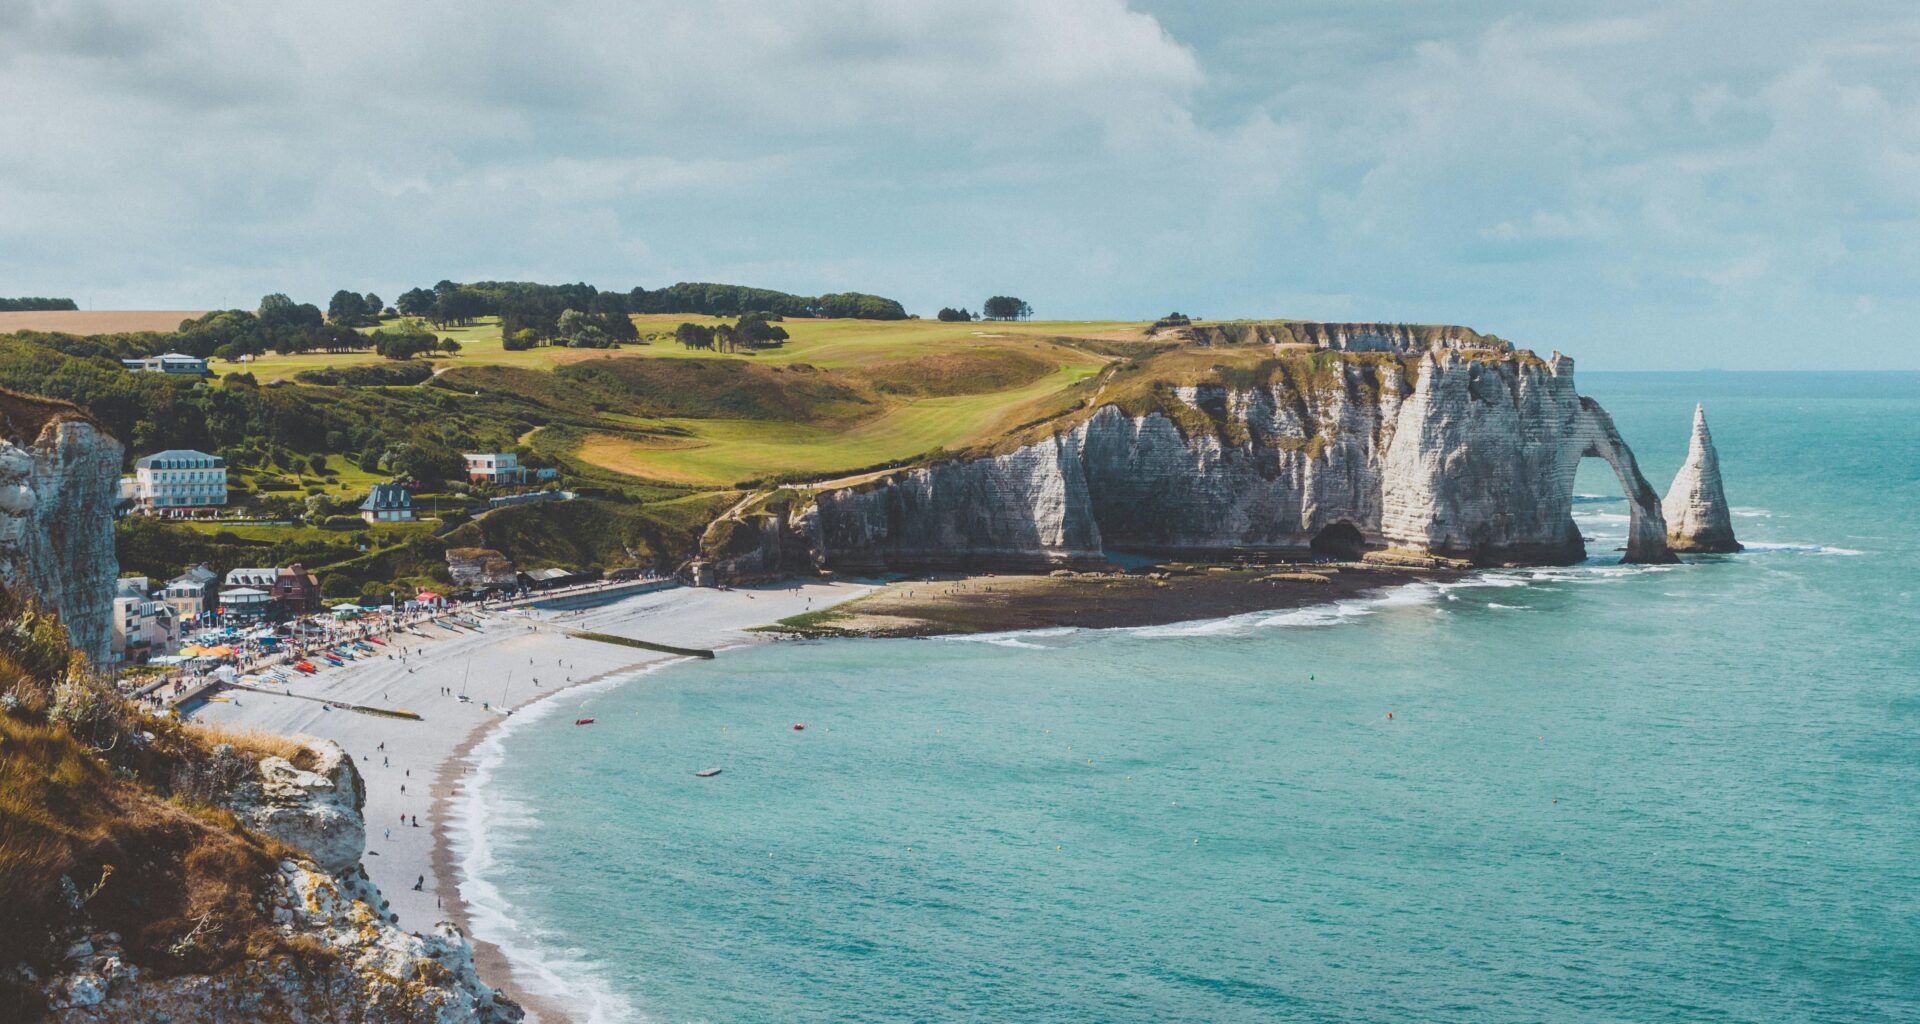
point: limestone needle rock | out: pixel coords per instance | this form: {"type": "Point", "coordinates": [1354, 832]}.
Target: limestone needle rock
{"type": "Point", "coordinates": [1698, 519]}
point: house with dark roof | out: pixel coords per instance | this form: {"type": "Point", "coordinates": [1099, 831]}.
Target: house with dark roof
{"type": "Point", "coordinates": [387, 503]}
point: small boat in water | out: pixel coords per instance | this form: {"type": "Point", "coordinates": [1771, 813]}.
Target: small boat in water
{"type": "Point", "coordinates": [583, 721]}
{"type": "Point", "coordinates": [706, 773]}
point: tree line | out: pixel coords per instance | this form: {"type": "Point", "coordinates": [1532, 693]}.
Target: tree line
{"type": "Point", "coordinates": [526, 306]}
{"type": "Point", "coordinates": [36, 305]}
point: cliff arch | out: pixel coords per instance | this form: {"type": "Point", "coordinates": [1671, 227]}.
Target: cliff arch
{"type": "Point", "coordinates": [1647, 525]}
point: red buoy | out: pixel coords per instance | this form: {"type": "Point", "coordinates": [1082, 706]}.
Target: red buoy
{"type": "Point", "coordinates": [797, 726]}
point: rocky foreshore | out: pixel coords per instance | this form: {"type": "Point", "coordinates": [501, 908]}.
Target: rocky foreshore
{"type": "Point", "coordinates": [358, 965]}
{"type": "Point", "coordinates": [949, 605]}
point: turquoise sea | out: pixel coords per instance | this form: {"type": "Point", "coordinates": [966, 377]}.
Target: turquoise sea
{"type": "Point", "coordinates": [1604, 793]}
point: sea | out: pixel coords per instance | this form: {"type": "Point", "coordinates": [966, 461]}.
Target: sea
{"type": "Point", "coordinates": [1599, 793]}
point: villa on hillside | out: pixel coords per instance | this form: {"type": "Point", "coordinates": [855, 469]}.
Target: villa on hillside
{"type": "Point", "coordinates": [172, 362]}
{"type": "Point", "coordinates": [387, 503]}
{"type": "Point", "coordinates": [503, 468]}
{"type": "Point", "coordinates": [494, 468]}
{"type": "Point", "coordinates": [180, 481]}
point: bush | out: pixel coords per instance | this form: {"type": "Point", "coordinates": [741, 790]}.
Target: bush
{"type": "Point", "coordinates": [342, 522]}
{"type": "Point", "coordinates": [370, 375]}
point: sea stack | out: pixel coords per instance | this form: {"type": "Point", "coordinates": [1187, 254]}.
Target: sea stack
{"type": "Point", "coordinates": [1698, 520]}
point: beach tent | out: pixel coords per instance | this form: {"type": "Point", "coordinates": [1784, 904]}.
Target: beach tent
{"type": "Point", "coordinates": [346, 611]}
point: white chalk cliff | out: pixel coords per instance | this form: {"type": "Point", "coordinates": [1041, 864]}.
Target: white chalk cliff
{"type": "Point", "coordinates": [59, 483]}
{"type": "Point", "coordinates": [1453, 453]}
{"type": "Point", "coordinates": [1698, 519]}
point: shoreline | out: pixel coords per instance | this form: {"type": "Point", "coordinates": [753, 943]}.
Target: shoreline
{"type": "Point", "coordinates": [415, 768]}
{"type": "Point", "coordinates": [722, 619]}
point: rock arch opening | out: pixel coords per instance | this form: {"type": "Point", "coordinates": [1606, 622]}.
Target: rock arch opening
{"type": "Point", "coordinates": [1646, 525]}
{"type": "Point", "coordinates": [1339, 542]}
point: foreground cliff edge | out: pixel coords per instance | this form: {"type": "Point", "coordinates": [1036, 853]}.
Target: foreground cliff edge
{"type": "Point", "coordinates": [1280, 442]}
{"type": "Point", "coordinates": [154, 871]}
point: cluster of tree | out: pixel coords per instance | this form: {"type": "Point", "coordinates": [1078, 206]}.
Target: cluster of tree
{"type": "Point", "coordinates": [411, 339]}
{"type": "Point", "coordinates": [352, 310]}
{"type": "Point", "coordinates": [751, 332]}
{"type": "Point", "coordinates": [1171, 320]}
{"type": "Point", "coordinates": [1006, 307]}
{"type": "Point", "coordinates": [602, 326]}
{"type": "Point", "coordinates": [36, 305]}
{"type": "Point", "coordinates": [279, 325]}
{"type": "Point", "coordinates": [447, 304]}
{"type": "Point", "coordinates": [950, 315]}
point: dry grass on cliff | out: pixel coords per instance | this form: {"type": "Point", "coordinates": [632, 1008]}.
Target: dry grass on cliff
{"type": "Point", "coordinates": [106, 823]}
{"type": "Point", "coordinates": [257, 742]}
{"type": "Point", "coordinates": [81, 846]}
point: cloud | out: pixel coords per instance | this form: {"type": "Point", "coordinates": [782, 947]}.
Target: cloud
{"type": "Point", "coordinates": [1593, 181]}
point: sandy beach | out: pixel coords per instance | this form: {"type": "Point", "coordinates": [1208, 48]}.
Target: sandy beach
{"type": "Point", "coordinates": [412, 768]}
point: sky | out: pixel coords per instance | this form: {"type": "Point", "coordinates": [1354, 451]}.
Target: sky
{"type": "Point", "coordinates": [1666, 185]}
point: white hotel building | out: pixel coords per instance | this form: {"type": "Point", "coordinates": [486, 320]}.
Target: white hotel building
{"type": "Point", "coordinates": [180, 480]}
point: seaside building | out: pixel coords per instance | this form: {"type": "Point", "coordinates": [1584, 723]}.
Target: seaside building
{"type": "Point", "coordinates": [192, 593]}
{"type": "Point", "coordinates": [180, 481]}
{"type": "Point", "coordinates": [246, 604]}
{"type": "Point", "coordinates": [289, 591]}
{"type": "Point", "coordinates": [142, 626]}
{"type": "Point", "coordinates": [387, 503]}
{"type": "Point", "coordinates": [172, 362]}
{"type": "Point", "coordinates": [495, 468]}
{"type": "Point", "coordinates": [295, 591]}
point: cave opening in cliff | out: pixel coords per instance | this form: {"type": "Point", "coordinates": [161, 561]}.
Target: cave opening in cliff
{"type": "Point", "coordinates": [1339, 542]}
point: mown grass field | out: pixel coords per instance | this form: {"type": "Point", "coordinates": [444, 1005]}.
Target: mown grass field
{"type": "Point", "coordinates": [720, 452]}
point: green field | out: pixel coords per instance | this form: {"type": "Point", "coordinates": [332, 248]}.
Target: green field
{"type": "Point", "coordinates": [719, 452]}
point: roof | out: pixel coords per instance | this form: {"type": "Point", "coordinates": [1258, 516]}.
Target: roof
{"type": "Point", "coordinates": [385, 497]}
{"type": "Point", "coordinates": [173, 453]}
{"type": "Point", "coordinates": [242, 592]}
{"type": "Point", "coordinates": [199, 575]}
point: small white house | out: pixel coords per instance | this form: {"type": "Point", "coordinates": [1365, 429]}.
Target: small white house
{"type": "Point", "coordinates": [172, 362]}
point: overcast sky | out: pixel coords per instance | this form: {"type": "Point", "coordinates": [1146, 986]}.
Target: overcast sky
{"type": "Point", "coordinates": [1675, 185]}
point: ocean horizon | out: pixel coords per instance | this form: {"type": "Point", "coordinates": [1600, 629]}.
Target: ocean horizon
{"type": "Point", "coordinates": [1584, 793]}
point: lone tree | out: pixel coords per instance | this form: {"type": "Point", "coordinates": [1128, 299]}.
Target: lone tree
{"type": "Point", "coordinates": [1006, 307]}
